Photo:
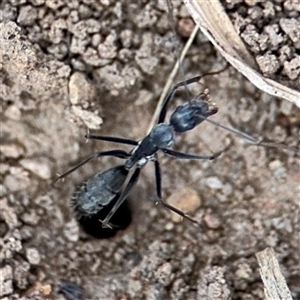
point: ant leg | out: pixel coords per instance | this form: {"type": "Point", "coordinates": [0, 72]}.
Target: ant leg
{"type": "Point", "coordinates": [122, 198]}
{"type": "Point", "coordinates": [173, 90]}
{"type": "Point", "coordinates": [169, 97]}
{"type": "Point", "coordinates": [182, 155]}
{"type": "Point", "coordinates": [178, 211]}
{"type": "Point", "coordinates": [158, 179]}
{"type": "Point", "coordinates": [162, 202]}
{"type": "Point", "coordinates": [116, 153]}
{"type": "Point", "coordinates": [111, 139]}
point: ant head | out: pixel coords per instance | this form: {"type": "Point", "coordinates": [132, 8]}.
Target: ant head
{"type": "Point", "coordinates": [162, 136]}
{"type": "Point", "coordinates": [188, 116]}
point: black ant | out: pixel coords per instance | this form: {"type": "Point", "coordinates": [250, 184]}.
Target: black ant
{"type": "Point", "coordinates": [104, 187]}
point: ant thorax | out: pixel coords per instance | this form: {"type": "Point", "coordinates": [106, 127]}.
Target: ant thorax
{"type": "Point", "coordinates": [160, 137]}
{"type": "Point", "coordinates": [143, 161]}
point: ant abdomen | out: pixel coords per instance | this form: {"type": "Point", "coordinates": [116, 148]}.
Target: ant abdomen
{"type": "Point", "coordinates": [98, 191]}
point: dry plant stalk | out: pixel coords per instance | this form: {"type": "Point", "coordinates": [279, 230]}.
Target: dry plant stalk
{"type": "Point", "coordinates": [171, 77]}
{"type": "Point", "coordinates": [274, 282]}
{"type": "Point", "coordinates": [216, 25]}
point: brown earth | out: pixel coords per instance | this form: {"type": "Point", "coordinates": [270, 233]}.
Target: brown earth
{"type": "Point", "coordinates": [70, 65]}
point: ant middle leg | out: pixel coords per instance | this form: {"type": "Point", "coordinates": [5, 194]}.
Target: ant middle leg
{"type": "Point", "coordinates": [162, 202]}
{"type": "Point", "coordinates": [111, 139]}
{"type": "Point", "coordinates": [115, 153]}
{"type": "Point", "coordinates": [182, 155]}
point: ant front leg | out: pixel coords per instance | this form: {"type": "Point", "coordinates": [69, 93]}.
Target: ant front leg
{"type": "Point", "coordinates": [170, 95]}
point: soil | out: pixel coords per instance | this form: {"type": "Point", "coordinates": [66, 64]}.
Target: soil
{"type": "Point", "coordinates": [69, 66]}
{"type": "Point", "coordinates": [271, 31]}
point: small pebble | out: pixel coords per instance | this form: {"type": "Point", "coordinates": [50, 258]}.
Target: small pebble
{"type": "Point", "coordinates": [80, 90]}
{"type": "Point", "coordinates": [18, 180]}
{"type": "Point", "coordinates": [212, 221]}
{"type": "Point", "coordinates": [90, 119]}
{"type": "Point", "coordinates": [275, 165]}
{"type": "Point", "coordinates": [33, 256]}
{"type": "Point", "coordinates": [214, 183]}
{"type": "Point", "coordinates": [6, 277]}
{"type": "Point", "coordinates": [39, 167]}
{"type": "Point", "coordinates": [185, 199]}
{"type": "Point", "coordinates": [27, 15]}
{"type": "Point", "coordinates": [292, 68]}
{"type": "Point", "coordinates": [11, 150]}
{"type": "Point", "coordinates": [13, 112]}
{"type": "Point", "coordinates": [268, 63]}
{"type": "Point", "coordinates": [71, 231]}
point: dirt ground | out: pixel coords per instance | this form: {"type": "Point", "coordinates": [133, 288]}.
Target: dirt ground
{"type": "Point", "coordinates": [270, 30]}
{"type": "Point", "coordinates": [69, 66]}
